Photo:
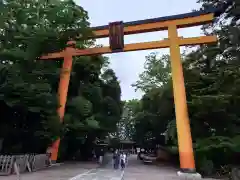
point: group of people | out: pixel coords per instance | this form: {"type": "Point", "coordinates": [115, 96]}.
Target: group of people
{"type": "Point", "coordinates": [119, 158]}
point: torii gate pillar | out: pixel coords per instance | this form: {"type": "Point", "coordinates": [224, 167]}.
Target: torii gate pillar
{"type": "Point", "coordinates": [186, 155]}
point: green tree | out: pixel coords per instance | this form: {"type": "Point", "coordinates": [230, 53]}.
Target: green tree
{"type": "Point", "coordinates": [156, 72]}
{"type": "Point", "coordinates": [126, 126]}
{"type": "Point", "coordinates": [212, 86]}
{"type": "Point", "coordinates": [156, 106]}
{"type": "Point", "coordinates": [28, 86]}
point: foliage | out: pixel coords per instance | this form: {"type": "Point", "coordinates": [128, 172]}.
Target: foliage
{"type": "Point", "coordinates": [156, 74]}
{"type": "Point", "coordinates": [126, 128]}
{"type": "Point", "coordinates": [212, 77]}
{"type": "Point", "coordinates": [28, 86]}
{"type": "Point", "coordinates": [154, 113]}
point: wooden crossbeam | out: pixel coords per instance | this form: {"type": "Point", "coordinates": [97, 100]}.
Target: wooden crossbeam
{"type": "Point", "coordinates": [103, 31]}
{"type": "Point", "coordinates": [53, 55]}
{"type": "Point", "coordinates": [135, 46]}
{"type": "Point", "coordinates": [149, 25]}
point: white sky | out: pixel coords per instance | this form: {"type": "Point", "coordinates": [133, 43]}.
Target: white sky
{"type": "Point", "coordinates": [129, 65]}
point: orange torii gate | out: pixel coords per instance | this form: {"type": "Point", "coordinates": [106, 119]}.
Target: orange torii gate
{"type": "Point", "coordinates": [116, 31]}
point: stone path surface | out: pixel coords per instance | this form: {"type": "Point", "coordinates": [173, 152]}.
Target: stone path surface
{"type": "Point", "coordinates": [62, 172]}
{"type": "Point", "coordinates": [101, 174]}
{"type": "Point", "coordinates": [135, 170]}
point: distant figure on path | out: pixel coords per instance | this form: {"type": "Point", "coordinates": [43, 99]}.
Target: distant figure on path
{"type": "Point", "coordinates": [101, 154]}
{"type": "Point", "coordinates": [116, 158]}
{"type": "Point", "coordinates": [49, 153]}
{"type": "Point", "coordinates": [123, 157]}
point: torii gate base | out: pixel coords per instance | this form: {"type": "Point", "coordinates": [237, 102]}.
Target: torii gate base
{"type": "Point", "coordinates": [116, 32]}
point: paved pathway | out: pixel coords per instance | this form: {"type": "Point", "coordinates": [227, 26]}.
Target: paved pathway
{"type": "Point", "coordinates": [63, 172]}
{"type": "Point", "coordinates": [135, 170]}
{"type": "Point", "coordinates": [100, 174]}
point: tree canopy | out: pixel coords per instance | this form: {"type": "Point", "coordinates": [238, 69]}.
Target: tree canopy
{"type": "Point", "coordinates": [212, 77]}
{"type": "Point", "coordinates": [28, 86]}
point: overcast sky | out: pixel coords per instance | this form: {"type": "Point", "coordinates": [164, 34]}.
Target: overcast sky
{"type": "Point", "coordinates": [129, 65]}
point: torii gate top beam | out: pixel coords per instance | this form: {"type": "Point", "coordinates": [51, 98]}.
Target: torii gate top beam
{"type": "Point", "coordinates": [150, 25]}
{"type": "Point", "coordinates": [161, 23]}
{"type": "Point", "coordinates": [155, 25]}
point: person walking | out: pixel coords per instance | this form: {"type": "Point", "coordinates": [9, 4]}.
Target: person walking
{"type": "Point", "coordinates": [101, 154]}
{"type": "Point", "coordinates": [127, 155]}
{"type": "Point", "coordinates": [116, 159]}
{"type": "Point", "coordinates": [123, 160]}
